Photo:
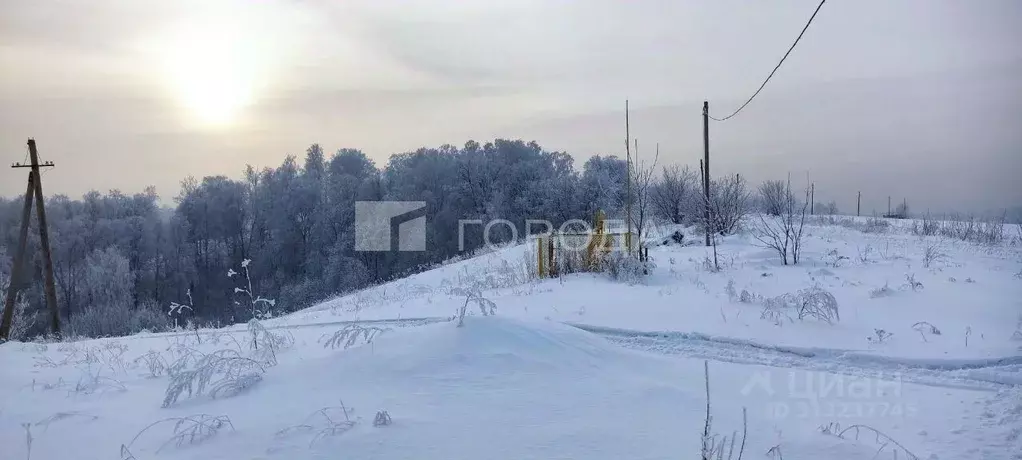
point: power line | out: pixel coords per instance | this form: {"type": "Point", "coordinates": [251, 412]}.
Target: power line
{"type": "Point", "coordinates": [776, 67]}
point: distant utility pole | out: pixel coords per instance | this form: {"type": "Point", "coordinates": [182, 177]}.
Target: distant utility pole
{"type": "Point", "coordinates": [706, 169]}
{"type": "Point", "coordinates": [628, 182]}
{"type": "Point", "coordinates": [812, 199]}
{"type": "Point", "coordinates": [18, 275]}
{"type": "Point", "coordinates": [888, 205]}
{"type": "Point", "coordinates": [858, 204]}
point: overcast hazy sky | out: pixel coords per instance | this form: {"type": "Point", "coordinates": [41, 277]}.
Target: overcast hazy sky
{"type": "Point", "coordinates": [916, 99]}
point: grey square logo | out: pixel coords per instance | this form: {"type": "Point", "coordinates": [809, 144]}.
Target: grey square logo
{"type": "Point", "coordinates": [390, 226]}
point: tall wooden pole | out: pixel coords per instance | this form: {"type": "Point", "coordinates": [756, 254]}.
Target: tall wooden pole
{"type": "Point", "coordinates": [706, 169]}
{"type": "Point", "coordinates": [812, 199]}
{"type": "Point", "coordinates": [19, 263]}
{"type": "Point", "coordinates": [858, 204]}
{"type": "Point", "coordinates": [44, 240]}
{"type": "Point", "coordinates": [628, 182]}
{"type": "Point", "coordinates": [35, 189]}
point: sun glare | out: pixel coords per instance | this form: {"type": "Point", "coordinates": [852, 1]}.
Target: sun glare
{"type": "Point", "coordinates": [213, 71]}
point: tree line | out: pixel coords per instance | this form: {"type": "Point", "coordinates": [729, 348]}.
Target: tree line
{"type": "Point", "coordinates": [127, 257]}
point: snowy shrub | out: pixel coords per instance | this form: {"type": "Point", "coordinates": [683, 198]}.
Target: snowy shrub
{"type": "Point", "coordinates": [266, 344]}
{"type": "Point", "coordinates": [815, 302]}
{"type": "Point", "coordinates": [622, 267]}
{"type": "Point", "coordinates": [932, 254]}
{"type": "Point", "coordinates": [775, 309]}
{"type": "Point", "coordinates": [870, 225]}
{"type": "Point", "coordinates": [154, 363]}
{"type": "Point", "coordinates": [882, 291]}
{"type": "Point", "coordinates": [382, 419]}
{"type": "Point", "coordinates": [834, 259]}
{"type": "Point", "coordinates": [729, 202]}
{"type": "Point", "coordinates": [964, 228]}
{"type": "Point", "coordinates": [925, 227]}
{"type": "Point", "coordinates": [771, 197]}
{"type": "Point", "coordinates": [190, 430]}
{"type": "Point", "coordinates": [879, 336]}
{"type": "Point", "coordinates": [783, 233]}
{"type": "Point", "coordinates": [222, 373]}
{"type": "Point", "coordinates": [23, 322]}
{"type": "Point", "coordinates": [875, 225]}
{"type": "Point", "coordinates": [864, 254]}
{"type": "Point", "coordinates": [350, 336]}
{"type": "Point", "coordinates": [990, 232]}
{"type": "Point", "coordinates": [911, 283]}
{"type": "Point", "coordinates": [117, 320]}
{"type": "Point", "coordinates": [829, 208]}
{"type": "Point", "coordinates": [473, 295]}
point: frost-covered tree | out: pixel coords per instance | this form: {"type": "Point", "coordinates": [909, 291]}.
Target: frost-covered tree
{"type": "Point", "coordinates": [108, 279]}
{"type": "Point", "coordinates": [673, 196]}
{"type": "Point", "coordinates": [772, 195]}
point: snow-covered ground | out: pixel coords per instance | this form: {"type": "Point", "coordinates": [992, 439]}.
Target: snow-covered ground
{"type": "Point", "coordinates": [575, 367]}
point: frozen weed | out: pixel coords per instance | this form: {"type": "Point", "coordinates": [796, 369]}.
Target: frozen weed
{"type": "Point", "coordinates": [924, 328]}
{"type": "Point", "coordinates": [190, 430]}
{"type": "Point", "coordinates": [382, 419]}
{"type": "Point", "coordinates": [879, 336]}
{"type": "Point", "coordinates": [223, 372]}
{"type": "Point", "coordinates": [879, 437]}
{"type": "Point", "coordinates": [350, 336]}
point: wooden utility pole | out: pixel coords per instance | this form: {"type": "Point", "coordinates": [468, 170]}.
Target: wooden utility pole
{"type": "Point", "coordinates": [888, 206]}
{"type": "Point", "coordinates": [18, 278]}
{"type": "Point", "coordinates": [628, 182]}
{"type": "Point", "coordinates": [812, 199]}
{"type": "Point", "coordinates": [706, 169]}
{"type": "Point", "coordinates": [18, 266]}
{"type": "Point", "coordinates": [858, 204]}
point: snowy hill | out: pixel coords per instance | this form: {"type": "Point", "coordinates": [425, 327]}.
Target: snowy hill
{"type": "Point", "coordinates": [576, 367]}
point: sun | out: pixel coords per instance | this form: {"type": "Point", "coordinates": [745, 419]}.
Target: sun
{"type": "Point", "coordinates": [213, 72]}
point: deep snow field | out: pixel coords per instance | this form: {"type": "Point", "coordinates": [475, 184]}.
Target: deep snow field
{"type": "Point", "coordinates": [579, 367]}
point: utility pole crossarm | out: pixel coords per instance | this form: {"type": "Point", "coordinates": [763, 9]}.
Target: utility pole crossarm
{"type": "Point", "coordinates": [45, 164]}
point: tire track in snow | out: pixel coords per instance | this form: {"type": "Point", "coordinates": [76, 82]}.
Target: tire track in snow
{"type": "Point", "coordinates": [987, 374]}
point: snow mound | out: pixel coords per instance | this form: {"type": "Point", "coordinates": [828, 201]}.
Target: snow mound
{"type": "Point", "coordinates": [490, 345]}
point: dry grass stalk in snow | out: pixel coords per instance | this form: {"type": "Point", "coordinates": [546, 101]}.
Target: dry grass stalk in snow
{"type": "Point", "coordinates": [349, 336]}
{"type": "Point", "coordinates": [714, 446]}
{"type": "Point", "coordinates": [924, 328]}
{"type": "Point", "coordinates": [328, 421]}
{"type": "Point", "coordinates": [886, 442]}
{"type": "Point", "coordinates": [189, 430]}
